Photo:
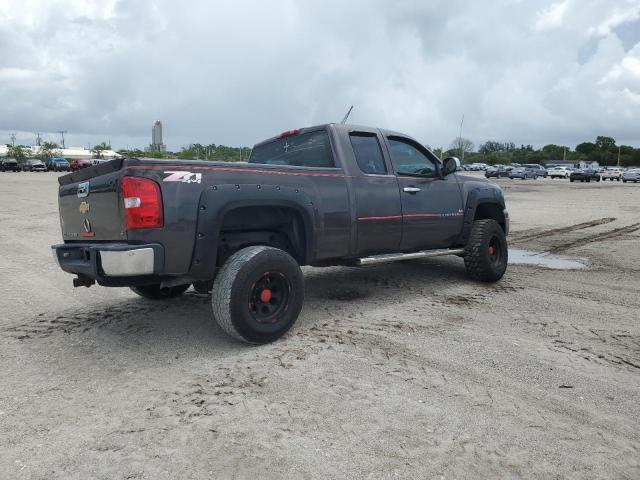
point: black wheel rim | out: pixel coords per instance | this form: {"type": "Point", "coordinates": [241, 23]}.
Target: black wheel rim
{"type": "Point", "coordinates": [269, 297]}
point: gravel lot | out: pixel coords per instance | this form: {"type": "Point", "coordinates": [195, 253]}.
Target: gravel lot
{"type": "Point", "coordinates": [405, 370]}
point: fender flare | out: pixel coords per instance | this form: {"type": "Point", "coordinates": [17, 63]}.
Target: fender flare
{"type": "Point", "coordinates": [216, 201]}
{"type": "Point", "coordinates": [476, 198]}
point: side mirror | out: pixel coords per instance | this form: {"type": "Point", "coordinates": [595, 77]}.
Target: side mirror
{"type": "Point", "coordinates": [450, 165]}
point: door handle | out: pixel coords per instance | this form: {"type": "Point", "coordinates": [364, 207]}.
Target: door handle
{"type": "Point", "coordinates": [411, 189]}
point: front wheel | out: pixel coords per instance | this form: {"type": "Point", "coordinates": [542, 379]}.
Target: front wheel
{"type": "Point", "coordinates": [486, 254]}
{"type": "Point", "coordinates": [258, 294]}
{"type": "Point", "coordinates": [154, 292]}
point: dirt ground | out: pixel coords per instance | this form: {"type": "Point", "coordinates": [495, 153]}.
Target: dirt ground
{"type": "Point", "coordinates": [406, 370]}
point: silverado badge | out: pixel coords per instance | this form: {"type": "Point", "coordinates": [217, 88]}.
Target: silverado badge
{"type": "Point", "coordinates": [84, 208]}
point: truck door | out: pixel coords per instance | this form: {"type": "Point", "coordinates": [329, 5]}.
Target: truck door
{"type": "Point", "coordinates": [378, 209]}
{"type": "Point", "coordinates": [432, 210]}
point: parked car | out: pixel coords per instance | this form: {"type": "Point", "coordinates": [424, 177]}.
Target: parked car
{"type": "Point", "coordinates": [98, 161]}
{"type": "Point", "coordinates": [34, 165]}
{"type": "Point", "coordinates": [539, 169]}
{"type": "Point", "coordinates": [496, 172]}
{"type": "Point", "coordinates": [612, 173]}
{"type": "Point", "coordinates": [326, 195]}
{"type": "Point", "coordinates": [476, 167]}
{"type": "Point", "coordinates": [631, 175]}
{"type": "Point", "coordinates": [57, 164]}
{"type": "Point", "coordinates": [584, 175]}
{"type": "Point", "coordinates": [523, 172]}
{"type": "Point", "coordinates": [559, 172]}
{"type": "Point", "coordinates": [9, 165]}
{"type": "Point", "coordinates": [79, 164]}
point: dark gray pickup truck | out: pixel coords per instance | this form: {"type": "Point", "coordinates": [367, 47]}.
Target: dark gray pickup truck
{"type": "Point", "coordinates": [325, 195]}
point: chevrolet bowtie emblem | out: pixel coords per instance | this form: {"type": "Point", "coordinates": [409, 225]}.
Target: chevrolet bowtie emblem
{"type": "Point", "coordinates": [84, 207]}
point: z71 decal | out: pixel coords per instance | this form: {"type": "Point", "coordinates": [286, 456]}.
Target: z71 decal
{"type": "Point", "coordinates": [184, 177]}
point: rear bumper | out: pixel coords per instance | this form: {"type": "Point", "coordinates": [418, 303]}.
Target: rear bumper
{"type": "Point", "coordinates": [105, 262]}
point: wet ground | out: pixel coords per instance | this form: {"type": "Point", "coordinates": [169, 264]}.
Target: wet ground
{"type": "Point", "coordinates": [406, 370]}
{"type": "Point", "coordinates": [545, 259]}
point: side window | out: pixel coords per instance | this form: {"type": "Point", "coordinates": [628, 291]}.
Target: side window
{"type": "Point", "coordinates": [368, 153]}
{"type": "Point", "coordinates": [408, 160]}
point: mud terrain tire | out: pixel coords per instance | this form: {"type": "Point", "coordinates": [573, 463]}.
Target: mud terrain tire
{"type": "Point", "coordinates": [486, 253]}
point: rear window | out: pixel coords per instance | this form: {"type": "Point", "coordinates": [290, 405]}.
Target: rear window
{"type": "Point", "coordinates": [310, 149]}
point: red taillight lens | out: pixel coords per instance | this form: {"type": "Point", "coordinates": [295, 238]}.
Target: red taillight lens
{"type": "Point", "coordinates": [142, 202]}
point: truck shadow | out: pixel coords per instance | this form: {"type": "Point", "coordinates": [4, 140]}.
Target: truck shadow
{"type": "Point", "coordinates": [188, 319]}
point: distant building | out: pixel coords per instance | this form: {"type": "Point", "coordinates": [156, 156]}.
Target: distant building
{"type": "Point", "coordinates": [156, 138]}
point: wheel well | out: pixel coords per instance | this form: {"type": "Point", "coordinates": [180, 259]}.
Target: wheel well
{"type": "Point", "coordinates": [280, 227]}
{"type": "Point", "coordinates": [490, 211]}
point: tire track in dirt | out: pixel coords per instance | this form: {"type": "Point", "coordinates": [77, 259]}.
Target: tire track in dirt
{"type": "Point", "coordinates": [130, 317]}
{"type": "Point", "coordinates": [597, 237]}
{"type": "Point", "coordinates": [524, 236]}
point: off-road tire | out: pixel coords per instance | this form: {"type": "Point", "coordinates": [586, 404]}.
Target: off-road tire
{"type": "Point", "coordinates": [486, 237]}
{"type": "Point", "coordinates": [154, 292]}
{"type": "Point", "coordinates": [233, 297]}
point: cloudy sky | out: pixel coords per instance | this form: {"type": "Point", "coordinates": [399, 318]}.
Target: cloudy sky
{"type": "Point", "coordinates": [235, 72]}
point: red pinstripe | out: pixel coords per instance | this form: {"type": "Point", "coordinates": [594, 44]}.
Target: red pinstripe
{"type": "Point", "coordinates": [409, 215]}
{"type": "Point", "coordinates": [187, 168]}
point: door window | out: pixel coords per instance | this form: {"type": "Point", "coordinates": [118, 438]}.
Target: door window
{"type": "Point", "coordinates": [409, 160]}
{"type": "Point", "coordinates": [368, 153]}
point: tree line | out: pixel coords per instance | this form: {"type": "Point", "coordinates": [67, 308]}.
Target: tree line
{"type": "Point", "coordinates": [603, 150]}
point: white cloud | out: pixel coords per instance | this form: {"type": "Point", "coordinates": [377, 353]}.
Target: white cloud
{"type": "Point", "coordinates": [238, 71]}
{"type": "Point", "coordinates": [552, 16]}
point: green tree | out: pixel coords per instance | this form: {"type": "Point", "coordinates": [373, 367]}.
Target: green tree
{"type": "Point", "coordinates": [48, 150]}
{"type": "Point", "coordinates": [553, 152]}
{"type": "Point", "coordinates": [18, 152]}
{"type": "Point", "coordinates": [97, 149]}
{"type": "Point", "coordinates": [462, 146]}
{"type": "Point", "coordinates": [586, 148]}
{"type": "Point", "coordinates": [606, 144]}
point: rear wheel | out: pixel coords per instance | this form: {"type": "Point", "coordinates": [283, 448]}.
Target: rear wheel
{"type": "Point", "coordinates": [258, 294]}
{"type": "Point", "coordinates": [486, 253]}
{"type": "Point", "coordinates": [154, 292]}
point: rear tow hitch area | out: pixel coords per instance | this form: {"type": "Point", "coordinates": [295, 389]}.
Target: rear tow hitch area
{"type": "Point", "coordinates": [82, 281]}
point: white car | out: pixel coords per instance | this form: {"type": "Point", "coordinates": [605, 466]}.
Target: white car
{"type": "Point", "coordinates": [612, 173]}
{"type": "Point", "coordinates": [631, 175]}
{"type": "Point", "coordinates": [558, 172]}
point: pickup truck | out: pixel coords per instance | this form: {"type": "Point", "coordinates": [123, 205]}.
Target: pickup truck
{"type": "Point", "coordinates": [326, 195]}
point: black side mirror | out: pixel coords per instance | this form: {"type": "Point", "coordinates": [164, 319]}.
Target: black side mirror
{"type": "Point", "coordinates": [450, 165]}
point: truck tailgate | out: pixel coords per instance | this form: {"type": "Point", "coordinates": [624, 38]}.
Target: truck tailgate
{"type": "Point", "coordinates": [90, 206]}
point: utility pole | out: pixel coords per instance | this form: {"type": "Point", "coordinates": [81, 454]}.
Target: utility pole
{"type": "Point", "coordinates": [618, 156]}
{"type": "Point", "coordinates": [62, 132]}
{"type": "Point", "coordinates": [564, 155]}
{"type": "Point", "coordinates": [12, 136]}
{"type": "Point", "coordinates": [460, 138]}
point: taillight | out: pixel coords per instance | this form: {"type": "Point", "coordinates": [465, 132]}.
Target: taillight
{"type": "Point", "coordinates": [142, 203]}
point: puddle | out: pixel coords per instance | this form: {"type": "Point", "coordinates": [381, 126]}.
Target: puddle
{"type": "Point", "coordinates": [548, 260]}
